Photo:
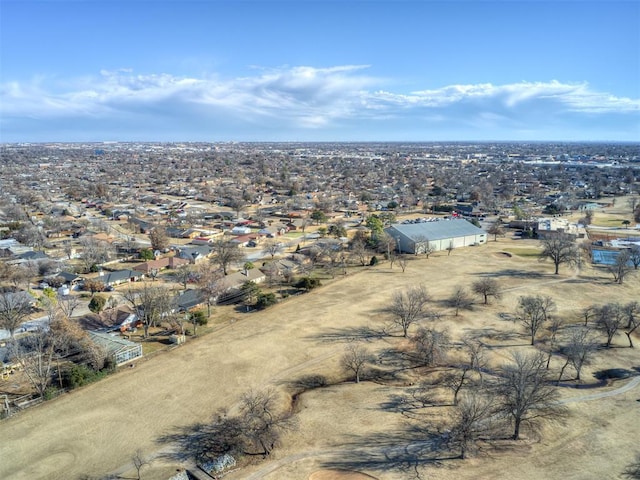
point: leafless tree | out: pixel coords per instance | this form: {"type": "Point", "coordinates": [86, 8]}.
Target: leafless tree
{"type": "Point", "coordinates": [589, 313]}
{"type": "Point", "coordinates": [471, 422]}
{"type": "Point", "coordinates": [158, 238]}
{"type": "Point", "coordinates": [183, 274]}
{"type": "Point", "coordinates": [450, 248]}
{"type": "Point", "coordinates": [408, 307]}
{"type": "Point", "coordinates": [578, 349]}
{"type": "Point", "coordinates": [460, 299]}
{"type": "Point", "coordinates": [227, 254]}
{"type": "Point", "coordinates": [36, 354]}
{"type": "Point", "coordinates": [560, 249]}
{"type": "Point", "coordinates": [151, 302]}
{"type": "Point", "coordinates": [358, 249]}
{"type": "Point", "coordinates": [609, 319]}
{"type": "Point", "coordinates": [621, 266]}
{"type": "Point", "coordinates": [14, 309]}
{"type": "Point", "coordinates": [487, 287]}
{"type": "Point", "coordinates": [632, 311]}
{"type": "Point", "coordinates": [422, 246]}
{"type": "Point", "coordinates": [354, 359]}
{"type": "Point", "coordinates": [94, 252]}
{"type": "Point", "coordinates": [533, 311]}
{"type": "Point", "coordinates": [68, 304]}
{"type": "Point", "coordinates": [429, 347]}
{"type": "Point", "coordinates": [496, 230]}
{"type": "Point", "coordinates": [475, 352]}
{"type": "Point", "coordinates": [272, 247]}
{"type": "Point", "coordinates": [403, 262]}
{"type": "Point", "coordinates": [632, 471]}
{"type": "Point", "coordinates": [139, 461]}
{"type": "Point", "coordinates": [261, 422]}
{"type": "Point", "coordinates": [525, 395]}
{"type": "Point", "coordinates": [634, 256]}
{"type": "Point", "coordinates": [455, 379]}
{"type": "Point", "coordinates": [93, 285]}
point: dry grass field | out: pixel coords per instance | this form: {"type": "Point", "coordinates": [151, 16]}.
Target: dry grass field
{"type": "Point", "coordinates": [345, 431]}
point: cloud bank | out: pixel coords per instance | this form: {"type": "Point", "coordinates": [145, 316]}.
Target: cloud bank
{"type": "Point", "coordinates": [318, 101]}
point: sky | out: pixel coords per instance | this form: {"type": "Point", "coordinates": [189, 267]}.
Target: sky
{"type": "Point", "coordinates": [319, 70]}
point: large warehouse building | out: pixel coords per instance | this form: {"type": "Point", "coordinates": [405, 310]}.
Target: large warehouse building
{"type": "Point", "coordinates": [438, 235]}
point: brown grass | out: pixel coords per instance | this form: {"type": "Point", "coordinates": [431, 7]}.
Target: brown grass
{"type": "Point", "coordinates": [97, 429]}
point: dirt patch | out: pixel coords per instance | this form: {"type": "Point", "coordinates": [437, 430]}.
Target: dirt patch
{"type": "Point", "coordinates": [339, 475]}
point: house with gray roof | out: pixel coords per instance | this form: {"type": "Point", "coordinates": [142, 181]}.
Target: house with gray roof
{"type": "Point", "coordinates": [438, 235]}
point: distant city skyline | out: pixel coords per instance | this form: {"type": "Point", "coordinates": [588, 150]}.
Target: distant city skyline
{"type": "Point", "coordinates": [319, 70]}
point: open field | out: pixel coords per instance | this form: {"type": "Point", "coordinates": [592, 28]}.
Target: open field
{"type": "Point", "coordinates": [343, 428]}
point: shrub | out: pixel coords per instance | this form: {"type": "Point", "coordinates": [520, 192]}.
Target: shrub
{"type": "Point", "coordinates": [80, 375]}
{"type": "Point", "coordinates": [199, 317]}
{"type": "Point", "coordinates": [50, 393]}
{"type": "Point", "coordinates": [266, 300]}
{"type": "Point", "coordinates": [97, 303]}
{"type": "Point", "coordinates": [146, 254]}
{"type": "Point", "coordinates": [373, 261]}
{"type": "Point", "coordinates": [308, 283]}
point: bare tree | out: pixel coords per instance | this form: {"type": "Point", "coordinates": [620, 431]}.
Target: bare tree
{"type": "Point", "coordinates": [403, 262]}
{"type": "Point", "coordinates": [429, 347]}
{"type": "Point", "coordinates": [621, 266]}
{"type": "Point", "coordinates": [422, 246]}
{"type": "Point", "coordinates": [455, 379]}
{"type": "Point", "coordinates": [37, 352]}
{"type": "Point", "coordinates": [261, 422]}
{"type": "Point", "coordinates": [560, 249]}
{"type": "Point", "coordinates": [460, 299]}
{"type": "Point", "coordinates": [471, 422]}
{"type": "Point", "coordinates": [525, 395]}
{"type": "Point", "coordinates": [476, 355]}
{"type": "Point", "coordinates": [211, 282]}
{"type": "Point", "coordinates": [68, 304]}
{"type": "Point", "coordinates": [358, 249]}
{"type": "Point", "coordinates": [487, 287]}
{"type": "Point", "coordinates": [632, 311]}
{"type": "Point", "coordinates": [93, 285]}
{"type": "Point", "coordinates": [94, 252]}
{"type": "Point", "coordinates": [634, 256]}
{"type": "Point", "coordinates": [533, 311]}
{"type": "Point", "coordinates": [272, 247]}
{"type": "Point", "coordinates": [354, 359]}
{"type": "Point", "coordinates": [408, 307]}
{"type": "Point", "coordinates": [578, 349]}
{"type": "Point", "coordinates": [610, 319]}
{"type": "Point", "coordinates": [139, 461]}
{"type": "Point", "coordinates": [227, 254]}
{"type": "Point", "coordinates": [183, 274]}
{"type": "Point", "coordinates": [158, 238]}
{"type": "Point", "coordinates": [14, 309]}
{"type": "Point", "coordinates": [152, 303]}
{"type": "Point", "coordinates": [632, 471]}
{"type": "Point", "coordinates": [496, 230]}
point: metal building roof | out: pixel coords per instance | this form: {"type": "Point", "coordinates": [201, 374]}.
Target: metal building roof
{"type": "Point", "coordinates": [438, 230]}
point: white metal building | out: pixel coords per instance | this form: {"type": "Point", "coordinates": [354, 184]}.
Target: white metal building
{"type": "Point", "coordinates": [439, 235]}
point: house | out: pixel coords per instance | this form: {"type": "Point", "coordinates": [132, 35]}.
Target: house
{"type": "Point", "coordinates": [122, 350]}
{"type": "Point", "coordinates": [70, 279]}
{"type": "Point", "coordinates": [119, 276]}
{"type": "Point", "coordinates": [195, 253]}
{"type": "Point", "coordinates": [160, 264]}
{"type": "Point", "coordinates": [236, 280]}
{"type": "Point", "coordinates": [189, 299]}
{"type": "Point", "coordinates": [439, 235]}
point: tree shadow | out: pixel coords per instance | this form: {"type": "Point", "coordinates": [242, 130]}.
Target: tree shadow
{"type": "Point", "coordinates": [349, 334]}
{"type": "Point", "coordinates": [491, 334]}
{"type": "Point", "coordinates": [513, 273]}
{"type": "Point", "coordinates": [402, 451]}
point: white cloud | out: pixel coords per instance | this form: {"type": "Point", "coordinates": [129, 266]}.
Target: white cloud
{"type": "Point", "coordinates": [300, 97]}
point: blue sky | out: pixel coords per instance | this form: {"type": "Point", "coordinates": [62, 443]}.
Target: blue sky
{"type": "Point", "coordinates": [319, 70]}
